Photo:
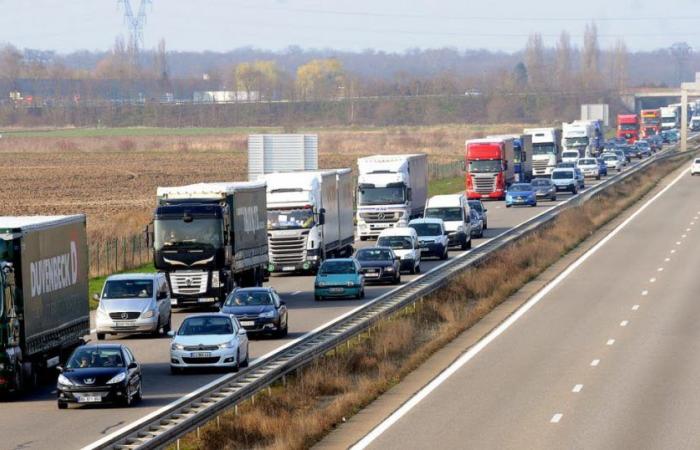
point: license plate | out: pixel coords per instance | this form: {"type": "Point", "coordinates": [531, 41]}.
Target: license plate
{"type": "Point", "coordinates": [201, 355]}
{"type": "Point", "coordinates": [206, 300]}
{"type": "Point", "coordinates": [124, 324]}
{"type": "Point", "coordinates": [372, 274]}
{"type": "Point", "coordinates": [336, 289]}
{"type": "Point", "coordinates": [89, 399]}
{"type": "Point", "coordinates": [424, 250]}
{"type": "Point", "coordinates": [247, 323]}
{"type": "Point", "coordinates": [288, 268]}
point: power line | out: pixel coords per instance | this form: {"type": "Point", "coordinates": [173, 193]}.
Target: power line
{"type": "Point", "coordinates": [135, 22]}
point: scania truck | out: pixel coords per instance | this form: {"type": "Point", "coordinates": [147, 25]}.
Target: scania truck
{"type": "Point", "coordinates": [546, 150]}
{"type": "Point", "coordinates": [628, 127]}
{"type": "Point", "coordinates": [651, 122]}
{"type": "Point", "coordinates": [391, 189]}
{"type": "Point", "coordinates": [490, 168]}
{"type": "Point", "coordinates": [44, 311]}
{"type": "Point", "coordinates": [310, 218]}
{"type": "Point", "coordinates": [209, 238]}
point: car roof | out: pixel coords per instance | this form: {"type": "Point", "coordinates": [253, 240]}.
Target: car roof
{"type": "Point", "coordinates": [445, 200]}
{"type": "Point", "coordinates": [102, 345]}
{"type": "Point", "coordinates": [255, 288]}
{"type": "Point", "coordinates": [134, 276]}
{"type": "Point", "coordinates": [340, 259]}
{"type": "Point", "coordinates": [211, 314]}
{"type": "Point", "coordinates": [376, 247]}
{"type": "Point", "coordinates": [398, 231]}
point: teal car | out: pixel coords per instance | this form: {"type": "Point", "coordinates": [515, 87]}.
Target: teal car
{"type": "Point", "coordinates": [339, 278]}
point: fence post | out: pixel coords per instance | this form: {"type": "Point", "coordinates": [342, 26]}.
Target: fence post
{"type": "Point", "coordinates": [116, 254]}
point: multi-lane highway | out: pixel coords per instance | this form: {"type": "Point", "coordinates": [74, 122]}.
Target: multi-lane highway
{"type": "Point", "coordinates": [81, 426]}
{"type": "Point", "coordinates": [608, 358]}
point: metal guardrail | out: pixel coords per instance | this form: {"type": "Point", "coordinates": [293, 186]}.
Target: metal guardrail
{"type": "Point", "coordinates": [175, 420]}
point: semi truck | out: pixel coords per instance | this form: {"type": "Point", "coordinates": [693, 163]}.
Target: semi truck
{"type": "Point", "coordinates": [651, 122]}
{"type": "Point", "coordinates": [271, 153]}
{"type": "Point", "coordinates": [209, 238]}
{"type": "Point", "coordinates": [546, 150]}
{"type": "Point", "coordinates": [490, 168]}
{"type": "Point", "coordinates": [670, 117]}
{"type": "Point", "coordinates": [310, 217]}
{"type": "Point", "coordinates": [44, 311]}
{"type": "Point", "coordinates": [522, 156]}
{"type": "Point", "coordinates": [628, 127]}
{"type": "Point", "coordinates": [579, 136]}
{"type": "Point", "coordinates": [391, 189]}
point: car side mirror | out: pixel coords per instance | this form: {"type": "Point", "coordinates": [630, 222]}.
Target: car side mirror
{"type": "Point", "coordinates": [171, 333]}
{"type": "Point", "coordinates": [133, 365]}
{"type": "Point", "coordinates": [242, 332]}
{"type": "Point", "coordinates": [96, 297]}
{"type": "Point", "coordinates": [283, 303]}
{"type": "Point", "coordinates": [59, 369]}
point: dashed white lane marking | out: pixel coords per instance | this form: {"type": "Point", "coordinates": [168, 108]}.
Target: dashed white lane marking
{"type": "Point", "coordinates": [556, 418]}
{"type": "Point", "coordinates": [610, 342]}
{"type": "Point", "coordinates": [687, 229]}
{"type": "Point", "coordinates": [645, 292]}
{"type": "Point", "coordinates": [577, 388]}
{"type": "Point", "coordinates": [635, 307]}
{"type": "Point", "coordinates": [678, 242]}
{"type": "Point", "coordinates": [624, 323]}
{"type": "Point", "coordinates": [673, 251]}
{"type": "Point", "coordinates": [652, 280]}
{"type": "Point", "coordinates": [692, 223]}
{"type": "Point", "coordinates": [684, 236]}
{"type": "Point", "coordinates": [296, 292]}
{"type": "Point", "coordinates": [667, 259]}
{"type": "Point", "coordinates": [595, 362]}
{"type": "Point", "coordinates": [660, 269]}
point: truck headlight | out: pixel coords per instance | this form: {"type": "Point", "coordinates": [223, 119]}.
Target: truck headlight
{"type": "Point", "coordinates": [215, 283]}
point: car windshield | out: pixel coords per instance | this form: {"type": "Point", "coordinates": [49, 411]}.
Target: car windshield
{"type": "Point", "coordinates": [285, 219]}
{"type": "Point", "coordinates": [446, 214]}
{"type": "Point", "coordinates": [337, 267]}
{"type": "Point", "coordinates": [207, 325]}
{"type": "Point", "coordinates": [395, 242]}
{"type": "Point", "coordinates": [520, 187]}
{"type": "Point", "coordinates": [562, 174]}
{"type": "Point", "coordinates": [543, 149]}
{"type": "Point", "coordinates": [586, 162]}
{"type": "Point", "coordinates": [569, 155]}
{"type": "Point", "coordinates": [542, 182]}
{"type": "Point", "coordinates": [95, 357]}
{"type": "Point", "coordinates": [476, 204]}
{"type": "Point", "coordinates": [382, 196]}
{"type": "Point", "coordinates": [609, 157]}
{"type": "Point", "coordinates": [374, 254]}
{"type": "Point", "coordinates": [196, 233]}
{"type": "Point", "coordinates": [249, 298]}
{"type": "Point", "coordinates": [137, 289]}
{"type": "Point", "coordinates": [427, 229]}
{"type": "Point", "coordinates": [486, 166]}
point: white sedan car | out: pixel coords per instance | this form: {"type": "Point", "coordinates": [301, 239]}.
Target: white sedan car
{"type": "Point", "coordinates": [695, 166]}
{"type": "Point", "coordinates": [589, 167]}
{"type": "Point", "coordinates": [211, 340]}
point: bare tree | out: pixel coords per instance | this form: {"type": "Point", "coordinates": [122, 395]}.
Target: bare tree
{"type": "Point", "coordinates": [562, 63]}
{"type": "Point", "coordinates": [681, 52]}
{"type": "Point", "coordinates": [590, 62]}
{"type": "Point", "coordinates": [534, 61]}
{"type": "Point", "coordinates": [619, 65]}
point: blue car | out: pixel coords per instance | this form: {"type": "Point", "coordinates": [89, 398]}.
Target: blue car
{"type": "Point", "coordinates": [259, 310]}
{"type": "Point", "coordinates": [521, 194]}
{"type": "Point", "coordinates": [339, 278]}
{"type": "Point", "coordinates": [602, 167]}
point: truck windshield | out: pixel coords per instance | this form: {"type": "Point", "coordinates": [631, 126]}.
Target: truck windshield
{"type": "Point", "coordinates": [446, 214]}
{"type": "Point", "coordinates": [382, 196]}
{"type": "Point", "coordinates": [576, 141]}
{"type": "Point", "coordinates": [286, 219]}
{"type": "Point", "coordinates": [176, 233]}
{"type": "Point", "coordinates": [628, 127]}
{"type": "Point", "coordinates": [485, 166]}
{"type": "Point", "coordinates": [544, 149]}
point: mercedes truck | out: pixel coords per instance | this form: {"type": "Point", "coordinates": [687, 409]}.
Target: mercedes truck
{"type": "Point", "coordinates": [391, 189]}
{"type": "Point", "coordinates": [209, 238]}
{"type": "Point", "coordinates": [546, 150]}
{"type": "Point", "coordinates": [309, 218]}
{"type": "Point", "coordinates": [44, 311]}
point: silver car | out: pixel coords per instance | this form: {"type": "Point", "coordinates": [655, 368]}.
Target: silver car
{"type": "Point", "coordinates": [134, 303]}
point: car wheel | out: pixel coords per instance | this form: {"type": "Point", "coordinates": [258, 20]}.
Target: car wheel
{"type": "Point", "coordinates": [444, 254]}
{"type": "Point", "coordinates": [466, 244]}
{"type": "Point", "coordinates": [101, 336]}
{"type": "Point", "coordinates": [139, 393]}
{"type": "Point", "coordinates": [507, 206]}
{"type": "Point", "coordinates": [554, 198]}
{"type": "Point", "coordinates": [598, 177]}
{"type": "Point", "coordinates": [246, 363]}
{"type": "Point", "coordinates": [128, 399]}
{"type": "Point", "coordinates": [285, 332]}
{"type": "Point", "coordinates": [417, 269]}
{"type": "Point", "coordinates": [481, 233]}
{"type": "Point", "coordinates": [397, 279]}
{"type": "Point", "coordinates": [318, 298]}
{"type": "Point", "coordinates": [236, 367]}
{"type": "Point", "coordinates": [62, 405]}
{"type": "Point", "coordinates": [168, 326]}
{"type": "Point", "coordinates": [363, 238]}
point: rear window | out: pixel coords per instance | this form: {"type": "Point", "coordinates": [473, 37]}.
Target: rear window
{"type": "Point", "coordinates": [562, 174]}
{"type": "Point", "coordinates": [587, 162]}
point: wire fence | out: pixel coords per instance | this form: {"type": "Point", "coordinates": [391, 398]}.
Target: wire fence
{"type": "Point", "coordinates": [118, 254]}
{"type": "Point", "coordinates": [438, 171]}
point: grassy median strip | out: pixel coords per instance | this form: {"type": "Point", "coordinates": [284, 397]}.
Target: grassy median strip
{"type": "Point", "coordinates": [333, 388]}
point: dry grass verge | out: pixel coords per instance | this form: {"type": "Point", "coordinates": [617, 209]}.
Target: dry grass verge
{"type": "Point", "coordinates": [336, 386]}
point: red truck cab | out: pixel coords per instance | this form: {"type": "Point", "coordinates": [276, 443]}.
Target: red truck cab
{"type": "Point", "coordinates": [651, 122]}
{"type": "Point", "coordinates": [628, 127]}
{"type": "Point", "coordinates": [490, 167]}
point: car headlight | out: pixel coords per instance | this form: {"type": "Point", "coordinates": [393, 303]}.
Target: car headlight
{"type": "Point", "coordinates": [148, 314]}
{"type": "Point", "coordinates": [350, 284]}
{"type": "Point", "coordinates": [62, 379]}
{"type": "Point", "coordinates": [177, 347]}
{"type": "Point", "coordinates": [118, 378]}
{"type": "Point", "coordinates": [321, 284]}
{"type": "Point", "coordinates": [460, 228]}
{"type": "Point", "coordinates": [215, 283]}
{"type": "Point", "coordinates": [268, 314]}
{"type": "Point", "coordinates": [389, 269]}
{"type": "Point", "coordinates": [508, 197]}
{"type": "Point", "coordinates": [230, 344]}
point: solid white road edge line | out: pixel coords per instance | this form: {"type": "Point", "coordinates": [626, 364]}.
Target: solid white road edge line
{"type": "Point", "coordinates": [486, 340]}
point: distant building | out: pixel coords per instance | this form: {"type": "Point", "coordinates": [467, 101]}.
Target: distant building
{"type": "Point", "coordinates": [225, 96]}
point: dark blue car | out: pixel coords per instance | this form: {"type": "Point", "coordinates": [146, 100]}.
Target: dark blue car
{"type": "Point", "coordinates": [259, 310]}
{"type": "Point", "coordinates": [521, 194]}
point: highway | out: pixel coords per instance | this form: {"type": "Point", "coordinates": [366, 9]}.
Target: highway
{"type": "Point", "coordinates": [608, 358]}
{"type": "Point", "coordinates": [79, 426]}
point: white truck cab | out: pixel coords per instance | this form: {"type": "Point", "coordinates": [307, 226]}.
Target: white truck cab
{"type": "Point", "coordinates": [404, 242]}
{"type": "Point", "coordinates": [454, 212]}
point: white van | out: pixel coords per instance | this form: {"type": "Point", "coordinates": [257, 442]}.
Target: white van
{"type": "Point", "coordinates": [404, 242]}
{"type": "Point", "coordinates": [454, 212]}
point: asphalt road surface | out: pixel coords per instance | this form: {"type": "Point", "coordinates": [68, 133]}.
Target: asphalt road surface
{"type": "Point", "coordinates": [608, 359]}
{"type": "Point", "coordinates": [34, 422]}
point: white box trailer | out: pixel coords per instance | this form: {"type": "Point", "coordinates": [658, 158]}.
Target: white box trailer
{"type": "Point", "coordinates": [391, 189]}
{"type": "Point", "coordinates": [310, 218]}
{"type": "Point", "coordinates": [270, 153]}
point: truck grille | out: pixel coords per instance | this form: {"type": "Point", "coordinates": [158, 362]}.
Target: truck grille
{"type": "Point", "coordinates": [380, 216]}
{"type": "Point", "coordinates": [540, 165]}
{"type": "Point", "coordinates": [485, 185]}
{"type": "Point", "coordinates": [287, 249]}
{"type": "Point", "coordinates": [189, 282]}
{"type": "Point", "coordinates": [131, 315]}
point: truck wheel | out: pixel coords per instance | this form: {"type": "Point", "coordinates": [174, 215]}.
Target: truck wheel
{"type": "Point", "coordinates": [101, 336]}
{"type": "Point", "coordinates": [363, 238]}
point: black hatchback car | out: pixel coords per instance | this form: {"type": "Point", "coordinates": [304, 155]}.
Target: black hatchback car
{"type": "Point", "coordinates": [259, 310]}
{"type": "Point", "coordinates": [379, 264]}
{"type": "Point", "coordinates": [100, 373]}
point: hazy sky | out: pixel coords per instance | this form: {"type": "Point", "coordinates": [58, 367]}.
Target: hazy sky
{"type": "Point", "coordinates": [392, 25]}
